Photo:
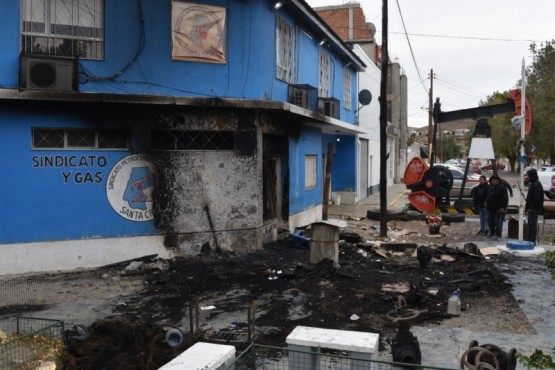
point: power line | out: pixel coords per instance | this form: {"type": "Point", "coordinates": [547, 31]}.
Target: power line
{"type": "Point", "coordinates": [410, 46]}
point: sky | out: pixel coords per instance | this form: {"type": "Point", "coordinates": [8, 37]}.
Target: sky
{"type": "Point", "coordinates": [474, 47]}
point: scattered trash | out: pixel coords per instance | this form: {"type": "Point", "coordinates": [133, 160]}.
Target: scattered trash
{"type": "Point", "coordinates": [354, 317]}
{"type": "Point", "coordinates": [135, 265]}
{"type": "Point", "coordinates": [434, 224]}
{"type": "Point", "coordinates": [398, 288]}
{"type": "Point", "coordinates": [454, 304]}
{"type": "Point", "coordinates": [432, 291]}
{"type": "Point", "coordinates": [448, 258]}
{"type": "Point", "coordinates": [206, 308]}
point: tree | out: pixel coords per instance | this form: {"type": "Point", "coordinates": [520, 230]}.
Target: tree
{"type": "Point", "coordinates": [450, 148]}
{"type": "Point", "coordinates": [503, 136]}
{"type": "Point", "coordinates": [540, 93]}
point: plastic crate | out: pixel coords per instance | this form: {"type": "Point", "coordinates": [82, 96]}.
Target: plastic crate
{"type": "Point", "coordinates": [299, 240]}
{"type": "Point", "coordinates": [30, 343]}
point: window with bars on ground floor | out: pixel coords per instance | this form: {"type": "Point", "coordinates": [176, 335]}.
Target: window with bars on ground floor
{"type": "Point", "coordinates": [78, 138]}
{"type": "Point", "coordinates": [192, 140]}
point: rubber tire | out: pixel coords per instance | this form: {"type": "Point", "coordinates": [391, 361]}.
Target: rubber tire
{"type": "Point", "coordinates": [416, 216]}
{"type": "Point", "coordinates": [375, 215]}
{"type": "Point", "coordinates": [453, 217]}
{"type": "Point", "coordinates": [352, 238]}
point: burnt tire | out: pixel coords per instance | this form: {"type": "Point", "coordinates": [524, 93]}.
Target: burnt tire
{"type": "Point", "coordinates": [375, 215]}
{"type": "Point", "coordinates": [416, 216]}
{"type": "Point", "coordinates": [350, 237]}
{"type": "Point", "coordinates": [453, 217]}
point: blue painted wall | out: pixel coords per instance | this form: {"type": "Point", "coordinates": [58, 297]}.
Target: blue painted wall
{"type": "Point", "coordinates": [249, 72]}
{"type": "Point", "coordinates": [300, 198]}
{"type": "Point", "coordinates": [41, 199]}
{"type": "Point", "coordinates": [344, 168]}
{"type": "Point", "coordinates": [66, 201]}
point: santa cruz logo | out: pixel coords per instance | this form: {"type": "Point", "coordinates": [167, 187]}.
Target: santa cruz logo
{"type": "Point", "coordinates": [129, 187]}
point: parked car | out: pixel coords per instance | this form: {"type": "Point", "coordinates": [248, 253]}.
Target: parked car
{"type": "Point", "coordinates": [489, 167]}
{"type": "Point", "coordinates": [472, 181]}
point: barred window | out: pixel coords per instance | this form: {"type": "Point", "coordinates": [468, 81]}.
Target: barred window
{"type": "Point", "coordinates": [90, 139]}
{"type": "Point", "coordinates": [324, 74]}
{"type": "Point", "coordinates": [310, 170]}
{"type": "Point", "coordinates": [285, 51]}
{"type": "Point", "coordinates": [347, 89]}
{"type": "Point", "coordinates": [192, 140]}
{"type": "Point", "coordinates": [63, 28]}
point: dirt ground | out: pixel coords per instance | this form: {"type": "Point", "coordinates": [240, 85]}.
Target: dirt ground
{"type": "Point", "coordinates": [213, 293]}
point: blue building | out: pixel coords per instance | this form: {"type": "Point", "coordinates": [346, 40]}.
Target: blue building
{"type": "Point", "coordinates": [138, 127]}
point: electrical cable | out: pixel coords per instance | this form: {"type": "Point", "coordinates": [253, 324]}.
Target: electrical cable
{"type": "Point", "coordinates": [140, 48]}
{"type": "Point", "coordinates": [410, 47]}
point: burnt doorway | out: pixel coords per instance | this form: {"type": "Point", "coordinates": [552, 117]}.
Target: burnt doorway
{"type": "Point", "coordinates": [274, 173]}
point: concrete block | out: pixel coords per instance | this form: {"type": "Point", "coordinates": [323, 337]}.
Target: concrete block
{"type": "Point", "coordinates": [205, 356]}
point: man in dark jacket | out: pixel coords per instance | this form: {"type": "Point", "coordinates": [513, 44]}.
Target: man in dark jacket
{"type": "Point", "coordinates": [534, 204]}
{"type": "Point", "coordinates": [497, 201]}
{"type": "Point", "coordinates": [479, 194]}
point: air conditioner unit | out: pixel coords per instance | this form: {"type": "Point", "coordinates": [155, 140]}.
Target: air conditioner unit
{"type": "Point", "coordinates": [300, 95]}
{"type": "Point", "coordinates": [38, 72]}
{"type": "Point", "coordinates": [329, 107]}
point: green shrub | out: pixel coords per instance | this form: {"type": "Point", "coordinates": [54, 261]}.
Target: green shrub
{"type": "Point", "coordinates": [538, 360]}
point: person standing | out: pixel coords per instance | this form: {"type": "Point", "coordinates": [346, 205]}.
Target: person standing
{"type": "Point", "coordinates": [534, 204]}
{"type": "Point", "coordinates": [497, 201]}
{"type": "Point", "coordinates": [479, 194]}
{"type": "Point", "coordinates": [501, 218]}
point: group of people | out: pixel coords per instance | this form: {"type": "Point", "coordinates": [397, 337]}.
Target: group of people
{"type": "Point", "coordinates": [492, 199]}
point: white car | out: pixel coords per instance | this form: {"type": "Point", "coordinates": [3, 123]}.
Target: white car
{"type": "Point", "coordinates": [472, 181]}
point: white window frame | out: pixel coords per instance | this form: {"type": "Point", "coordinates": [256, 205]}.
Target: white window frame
{"type": "Point", "coordinates": [285, 50]}
{"type": "Point", "coordinates": [324, 62]}
{"type": "Point", "coordinates": [310, 171]}
{"type": "Point", "coordinates": [347, 83]}
{"type": "Point", "coordinates": [63, 28]}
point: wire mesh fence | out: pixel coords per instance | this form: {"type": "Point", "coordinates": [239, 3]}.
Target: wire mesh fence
{"type": "Point", "coordinates": [30, 343]}
{"type": "Point", "coordinates": [259, 357]}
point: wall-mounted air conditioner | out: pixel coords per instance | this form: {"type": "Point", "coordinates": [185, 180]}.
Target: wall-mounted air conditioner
{"type": "Point", "coordinates": [37, 72]}
{"type": "Point", "coordinates": [329, 107]}
{"type": "Point", "coordinates": [301, 95]}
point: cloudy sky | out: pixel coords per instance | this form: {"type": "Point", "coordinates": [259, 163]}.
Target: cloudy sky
{"type": "Point", "coordinates": [475, 47]}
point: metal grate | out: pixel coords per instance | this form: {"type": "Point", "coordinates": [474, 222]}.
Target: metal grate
{"type": "Point", "coordinates": [192, 140]}
{"type": "Point", "coordinates": [29, 343]}
{"type": "Point", "coordinates": [258, 357]}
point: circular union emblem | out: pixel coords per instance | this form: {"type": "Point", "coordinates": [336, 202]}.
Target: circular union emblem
{"type": "Point", "coordinates": [129, 187]}
{"type": "Point", "coordinates": [202, 30]}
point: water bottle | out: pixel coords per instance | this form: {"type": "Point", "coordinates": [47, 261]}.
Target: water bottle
{"type": "Point", "coordinates": [454, 304]}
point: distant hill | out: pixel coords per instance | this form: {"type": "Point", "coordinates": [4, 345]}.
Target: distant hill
{"type": "Point", "coordinates": [454, 125]}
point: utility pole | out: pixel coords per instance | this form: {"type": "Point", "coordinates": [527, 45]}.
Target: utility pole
{"type": "Point", "coordinates": [383, 125]}
{"type": "Point", "coordinates": [430, 114]}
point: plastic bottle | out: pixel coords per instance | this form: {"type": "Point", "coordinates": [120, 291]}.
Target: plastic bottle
{"type": "Point", "coordinates": [454, 304]}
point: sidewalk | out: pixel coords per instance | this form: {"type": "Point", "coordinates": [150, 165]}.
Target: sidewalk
{"type": "Point", "coordinates": [533, 288]}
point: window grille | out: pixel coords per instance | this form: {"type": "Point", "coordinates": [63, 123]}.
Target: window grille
{"type": "Point", "coordinates": [324, 74]}
{"type": "Point", "coordinates": [310, 168]}
{"type": "Point", "coordinates": [63, 28]}
{"type": "Point", "coordinates": [285, 51]}
{"type": "Point", "coordinates": [90, 139]}
{"type": "Point", "coordinates": [192, 140]}
{"type": "Point", "coordinates": [347, 89]}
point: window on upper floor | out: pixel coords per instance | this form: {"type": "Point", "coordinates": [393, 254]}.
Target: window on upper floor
{"type": "Point", "coordinates": [63, 28]}
{"type": "Point", "coordinates": [347, 89]}
{"type": "Point", "coordinates": [285, 51]}
{"type": "Point", "coordinates": [323, 74]}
